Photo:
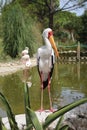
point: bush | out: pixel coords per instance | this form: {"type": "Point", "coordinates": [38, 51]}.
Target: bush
{"type": "Point", "coordinates": [19, 30]}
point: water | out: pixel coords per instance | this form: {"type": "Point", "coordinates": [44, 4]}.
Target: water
{"type": "Point", "coordinates": [69, 83]}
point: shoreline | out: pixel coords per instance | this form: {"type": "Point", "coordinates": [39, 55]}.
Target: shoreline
{"type": "Point", "coordinates": [14, 66]}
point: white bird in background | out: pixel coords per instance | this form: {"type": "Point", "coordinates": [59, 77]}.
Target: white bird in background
{"type": "Point", "coordinates": [45, 62]}
{"type": "Point", "coordinates": [25, 52]}
{"type": "Point", "coordinates": [26, 57]}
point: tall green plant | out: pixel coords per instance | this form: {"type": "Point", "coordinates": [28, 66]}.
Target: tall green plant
{"type": "Point", "coordinates": [11, 118]}
{"type": "Point", "coordinates": [31, 119]}
{"type": "Point", "coordinates": [27, 105]}
{"type": "Point", "coordinates": [0, 124]}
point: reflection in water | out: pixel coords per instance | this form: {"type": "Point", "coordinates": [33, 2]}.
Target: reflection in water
{"type": "Point", "coordinates": [2, 113]}
{"type": "Point", "coordinates": [11, 87]}
{"type": "Point", "coordinates": [26, 78]}
{"type": "Point", "coordinates": [25, 75]}
{"type": "Point", "coordinates": [78, 70]}
{"type": "Point", "coordinates": [69, 83]}
{"type": "Point", "coordinates": [67, 96]}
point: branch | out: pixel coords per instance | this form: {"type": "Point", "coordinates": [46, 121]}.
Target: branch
{"type": "Point", "coordinates": [47, 4]}
{"type": "Point", "coordinates": [72, 7]}
{"type": "Point", "coordinates": [65, 4]}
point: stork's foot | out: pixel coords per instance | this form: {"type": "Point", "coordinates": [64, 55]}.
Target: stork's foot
{"type": "Point", "coordinates": [41, 110]}
{"type": "Point", "coordinates": [52, 110]}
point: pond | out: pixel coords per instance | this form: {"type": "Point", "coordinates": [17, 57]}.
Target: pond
{"type": "Point", "coordinates": [69, 83]}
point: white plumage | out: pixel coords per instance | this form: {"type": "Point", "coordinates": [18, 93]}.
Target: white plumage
{"type": "Point", "coordinates": [24, 52]}
{"type": "Point", "coordinates": [45, 55]}
{"type": "Point", "coordinates": [26, 57]}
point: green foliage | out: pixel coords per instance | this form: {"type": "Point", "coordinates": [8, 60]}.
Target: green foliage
{"type": "Point", "coordinates": [1, 26]}
{"type": "Point", "coordinates": [21, 30]}
{"type": "Point", "coordinates": [13, 29]}
{"type": "Point", "coordinates": [83, 30]}
{"type": "Point", "coordinates": [33, 36]}
{"type": "Point", "coordinates": [18, 31]}
{"type": "Point", "coordinates": [0, 124]}
{"type": "Point", "coordinates": [58, 126]}
{"type": "Point", "coordinates": [66, 24]}
{"type": "Point", "coordinates": [31, 119]}
{"type": "Point", "coordinates": [2, 127]}
{"type": "Point", "coordinates": [27, 105]}
{"type": "Point", "coordinates": [45, 10]}
{"type": "Point", "coordinates": [10, 114]}
{"type": "Point", "coordinates": [35, 120]}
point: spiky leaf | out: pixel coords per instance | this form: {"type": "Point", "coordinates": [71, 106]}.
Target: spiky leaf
{"type": "Point", "coordinates": [35, 120]}
{"type": "Point", "coordinates": [11, 118]}
{"type": "Point", "coordinates": [59, 123]}
{"type": "Point", "coordinates": [27, 104]}
{"type": "Point", "coordinates": [65, 127]}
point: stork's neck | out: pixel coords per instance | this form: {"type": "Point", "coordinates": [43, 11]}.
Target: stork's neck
{"type": "Point", "coordinates": [48, 44]}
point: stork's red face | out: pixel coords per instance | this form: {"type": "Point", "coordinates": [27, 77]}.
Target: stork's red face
{"type": "Point", "coordinates": [50, 34]}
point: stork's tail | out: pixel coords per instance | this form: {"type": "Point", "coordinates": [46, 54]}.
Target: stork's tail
{"type": "Point", "coordinates": [45, 84]}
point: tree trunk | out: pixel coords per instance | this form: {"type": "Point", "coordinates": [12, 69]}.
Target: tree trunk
{"type": "Point", "coordinates": [72, 36]}
{"type": "Point", "coordinates": [51, 20]}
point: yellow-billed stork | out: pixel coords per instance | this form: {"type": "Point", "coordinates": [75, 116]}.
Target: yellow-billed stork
{"type": "Point", "coordinates": [45, 62]}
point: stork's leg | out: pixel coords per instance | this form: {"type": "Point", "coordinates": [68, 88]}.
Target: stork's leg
{"type": "Point", "coordinates": [41, 98]}
{"type": "Point", "coordinates": [41, 75]}
{"type": "Point", "coordinates": [49, 82]}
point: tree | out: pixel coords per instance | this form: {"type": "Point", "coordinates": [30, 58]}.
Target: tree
{"type": "Point", "coordinates": [70, 26]}
{"type": "Point", "coordinates": [48, 8]}
{"type": "Point", "coordinates": [66, 26]}
{"type": "Point", "coordinates": [83, 32]}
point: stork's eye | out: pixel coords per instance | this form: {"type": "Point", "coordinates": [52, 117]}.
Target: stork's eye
{"type": "Point", "coordinates": [50, 33]}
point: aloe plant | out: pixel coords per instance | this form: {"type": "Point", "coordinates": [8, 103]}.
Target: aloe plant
{"type": "Point", "coordinates": [11, 118]}
{"type": "Point", "coordinates": [27, 104]}
{"type": "Point", "coordinates": [0, 124]}
{"type": "Point", "coordinates": [65, 127]}
{"type": "Point", "coordinates": [58, 126]}
{"type": "Point", "coordinates": [35, 121]}
{"type": "Point", "coordinates": [31, 119]}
